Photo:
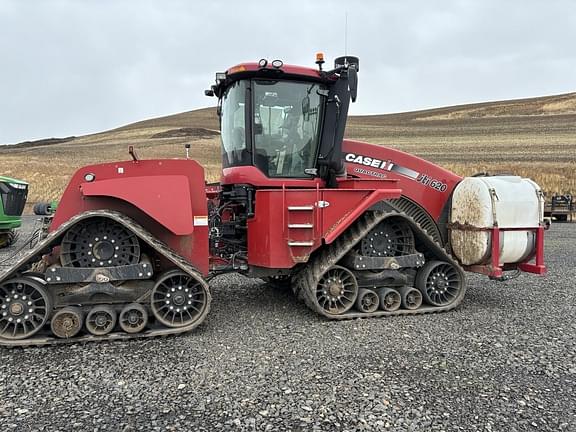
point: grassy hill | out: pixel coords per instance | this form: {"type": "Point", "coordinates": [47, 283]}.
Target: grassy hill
{"type": "Point", "coordinates": [532, 137]}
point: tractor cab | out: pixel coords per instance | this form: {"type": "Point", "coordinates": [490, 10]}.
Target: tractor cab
{"type": "Point", "coordinates": [284, 122]}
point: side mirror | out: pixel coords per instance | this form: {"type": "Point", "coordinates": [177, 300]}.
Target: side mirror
{"type": "Point", "coordinates": [353, 83]}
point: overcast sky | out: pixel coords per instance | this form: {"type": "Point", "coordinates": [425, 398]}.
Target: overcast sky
{"type": "Point", "coordinates": [71, 67]}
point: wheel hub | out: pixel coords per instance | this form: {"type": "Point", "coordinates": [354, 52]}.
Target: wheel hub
{"type": "Point", "coordinates": [16, 308]}
{"type": "Point", "coordinates": [335, 288]}
{"type": "Point", "coordinates": [67, 323]}
{"type": "Point", "coordinates": [101, 319]}
{"type": "Point", "coordinates": [103, 250]}
{"type": "Point", "coordinates": [133, 317]}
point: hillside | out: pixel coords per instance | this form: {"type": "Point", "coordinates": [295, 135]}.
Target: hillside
{"type": "Point", "coordinates": [533, 137]}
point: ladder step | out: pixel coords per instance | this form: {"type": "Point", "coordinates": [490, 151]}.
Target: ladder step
{"type": "Point", "coordinates": [300, 208]}
{"type": "Point", "coordinates": [301, 225]}
{"type": "Point", "coordinates": [300, 243]}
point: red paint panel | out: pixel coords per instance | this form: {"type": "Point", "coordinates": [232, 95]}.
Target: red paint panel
{"type": "Point", "coordinates": [275, 225]}
{"type": "Point", "coordinates": [145, 178]}
{"type": "Point", "coordinates": [253, 176]}
{"type": "Point", "coordinates": [347, 205]}
{"type": "Point", "coordinates": [165, 198]}
{"type": "Point", "coordinates": [269, 232]}
{"type": "Point", "coordinates": [431, 186]}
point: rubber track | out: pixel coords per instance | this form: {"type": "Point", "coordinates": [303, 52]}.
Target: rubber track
{"type": "Point", "coordinates": [306, 281]}
{"type": "Point", "coordinates": [44, 247]}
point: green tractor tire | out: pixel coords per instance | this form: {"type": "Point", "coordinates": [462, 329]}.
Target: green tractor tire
{"type": "Point", "coordinates": [8, 238]}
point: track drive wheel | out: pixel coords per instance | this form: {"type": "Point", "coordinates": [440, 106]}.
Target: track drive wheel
{"type": "Point", "coordinates": [99, 242]}
{"type": "Point", "coordinates": [25, 306]}
{"type": "Point", "coordinates": [179, 299]}
{"type": "Point", "coordinates": [439, 282]}
{"type": "Point", "coordinates": [389, 238]}
{"type": "Point", "coordinates": [337, 290]}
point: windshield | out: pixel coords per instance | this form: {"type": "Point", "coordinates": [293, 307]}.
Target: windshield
{"type": "Point", "coordinates": [233, 135]}
{"type": "Point", "coordinates": [286, 126]}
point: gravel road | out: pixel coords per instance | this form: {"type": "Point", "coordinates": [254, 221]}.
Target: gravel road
{"type": "Point", "coordinates": [504, 360]}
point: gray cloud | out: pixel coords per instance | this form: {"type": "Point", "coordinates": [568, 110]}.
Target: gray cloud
{"type": "Point", "coordinates": [70, 67]}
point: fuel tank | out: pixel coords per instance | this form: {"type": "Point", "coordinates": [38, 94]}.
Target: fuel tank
{"type": "Point", "coordinates": [508, 202]}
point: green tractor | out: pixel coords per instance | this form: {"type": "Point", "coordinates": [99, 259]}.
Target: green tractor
{"type": "Point", "coordinates": [13, 194]}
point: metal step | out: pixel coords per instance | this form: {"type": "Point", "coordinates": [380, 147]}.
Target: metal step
{"type": "Point", "coordinates": [301, 225]}
{"type": "Point", "coordinates": [300, 208]}
{"type": "Point", "coordinates": [300, 243]}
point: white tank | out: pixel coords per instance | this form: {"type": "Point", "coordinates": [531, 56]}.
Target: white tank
{"type": "Point", "coordinates": [482, 202]}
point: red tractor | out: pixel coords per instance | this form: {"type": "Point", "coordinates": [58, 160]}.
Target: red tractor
{"type": "Point", "coordinates": [357, 230]}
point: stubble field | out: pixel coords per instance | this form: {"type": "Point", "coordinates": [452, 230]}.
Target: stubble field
{"type": "Point", "coordinates": [534, 138]}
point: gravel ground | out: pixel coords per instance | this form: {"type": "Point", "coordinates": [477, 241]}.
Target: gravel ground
{"type": "Point", "coordinates": [504, 360]}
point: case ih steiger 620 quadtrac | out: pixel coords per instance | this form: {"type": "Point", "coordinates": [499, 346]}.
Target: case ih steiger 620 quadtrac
{"type": "Point", "coordinates": [357, 230]}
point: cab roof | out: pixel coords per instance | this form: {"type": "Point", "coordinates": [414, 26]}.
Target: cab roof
{"type": "Point", "coordinates": [287, 69]}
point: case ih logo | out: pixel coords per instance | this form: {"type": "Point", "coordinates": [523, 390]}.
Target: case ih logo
{"type": "Point", "coordinates": [390, 166]}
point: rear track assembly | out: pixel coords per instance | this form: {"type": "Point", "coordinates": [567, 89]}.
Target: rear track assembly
{"type": "Point", "coordinates": [32, 311]}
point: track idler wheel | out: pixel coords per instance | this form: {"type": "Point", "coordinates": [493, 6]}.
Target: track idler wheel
{"type": "Point", "coordinates": [439, 282]}
{"type": "Point", "coordinates": [67, 322]}
{"type": "Point", "coordinates": [390, 299]}
{"type": "Point", "coordinates": [133, 318]}
{"type": "Point", "coordinates": [25, 306]}
{"type": "Point", "coordinates": [367, 301]}
{"type": "Point", "coordinates": [101, 320]}
{"type": "Point", "coordinates": [179, 299]}
{"type": "Point", "coordinates": [337, 290]}
{"type": "Point", "coordinates": [411, 297]}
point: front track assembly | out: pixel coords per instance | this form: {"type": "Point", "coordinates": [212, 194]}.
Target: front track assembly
{"type": "Point", "coordinates": [374, 270]}
{"type": "Point", "coordinates": [107, 286]}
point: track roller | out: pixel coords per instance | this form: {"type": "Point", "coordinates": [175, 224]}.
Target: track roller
{"type": "Point", "coordinates": [390, 299]}
{"type": "Point", "coordinates": [411, 297]}
{"type": "Point", "coordinates": [25, 306]}
{"type": "Point", "coordinates": [439, 282]}
{"type": "Point", "coordinates": [67, 322]}
{"type": "Point", "coordinates": [367, 301]}
{"type": "Point", "coordinates": [101, 320]}
{"type": "Point", "coordinates": [133, 318]}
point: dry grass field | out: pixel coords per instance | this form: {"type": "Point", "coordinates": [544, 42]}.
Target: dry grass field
{"type": "Point", "coordinates": [534, 137]}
